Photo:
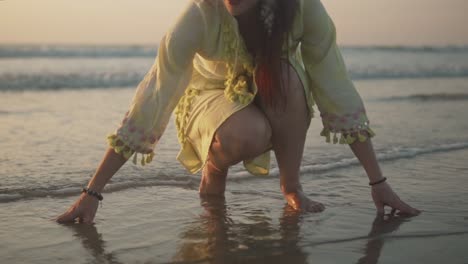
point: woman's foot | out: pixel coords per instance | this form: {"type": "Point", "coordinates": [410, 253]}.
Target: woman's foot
{"type": "Point", "coordinates": [299, 201]}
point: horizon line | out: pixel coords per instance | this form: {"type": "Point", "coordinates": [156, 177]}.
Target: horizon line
{"type": "Point", "coordinates": [153, 44]}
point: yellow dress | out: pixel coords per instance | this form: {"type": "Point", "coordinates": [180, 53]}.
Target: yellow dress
{"type": "Point", "coordinates": [202, 71]}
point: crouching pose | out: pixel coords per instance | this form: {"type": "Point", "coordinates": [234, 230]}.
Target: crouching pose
{"type": "Point", "coordinates": [242, 77]}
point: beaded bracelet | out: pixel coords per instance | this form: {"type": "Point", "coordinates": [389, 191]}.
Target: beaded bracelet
{"type": "Point", "coordinates": [93, 193]}
{"type": "Point", "coordinates": [377, 182]}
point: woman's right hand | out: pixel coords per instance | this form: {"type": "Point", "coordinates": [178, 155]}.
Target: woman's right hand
{"type": "Point", "coordinates": [383, 195]}
{"type": "Point", "coordinates": [84, 209]}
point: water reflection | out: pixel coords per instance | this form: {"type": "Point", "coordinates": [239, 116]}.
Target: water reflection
{"type": "Point", "coordinates": [382, 225]}
{"type": "Point", "coordinates": [216, 238]}
{"type": "Point", "coordinates": [93, 243]}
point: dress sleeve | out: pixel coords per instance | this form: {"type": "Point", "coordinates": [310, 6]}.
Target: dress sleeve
{"type": "Point", "coordinates": [159, 92]}
{"type": "Point", "coordinates": [341, 108]}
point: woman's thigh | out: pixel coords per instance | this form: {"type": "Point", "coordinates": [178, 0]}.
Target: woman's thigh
{"type": "Point", "coordinates": [289, 124]}
{"type": "Point", "coordinates": [244, 135]}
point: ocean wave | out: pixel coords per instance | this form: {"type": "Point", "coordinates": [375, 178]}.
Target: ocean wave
{"type": "Point", "coordinates": [82, 51]}
{"type": "Point", "coordinates": [132, 76]}
{"type": "Point", "coordinates": [411, 49]}
{"type": "Point", "coordinates": [54, 81]}
{"type": "Point", "coordinates": [389, 155]}
{"type": "Point", "coordinates": [430, 97]}
{"type": "Point", "coordinates": [12, 195]}
{"type": "Point", "coordinates": [105, 51]}
{"type": "Point", "coordinates": [191, 182]}
{"type": "Point", "coordinates": [75, 67]}
{"type": "Point", "coordinates": [402, 73]}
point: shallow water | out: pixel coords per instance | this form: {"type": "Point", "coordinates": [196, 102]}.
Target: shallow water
{"type": "Point", "coordinates": [52, 140]}
{"type": "Point", "coordinates": [154, 215]}
{"type": "Point", "coordinates": [163, 224]}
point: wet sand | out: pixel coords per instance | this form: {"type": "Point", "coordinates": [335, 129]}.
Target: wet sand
{"type": "Point", "coordinates": [164, 224]}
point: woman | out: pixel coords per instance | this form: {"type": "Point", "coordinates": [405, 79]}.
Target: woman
{"type": "Point", "coordinates": [243, 76]}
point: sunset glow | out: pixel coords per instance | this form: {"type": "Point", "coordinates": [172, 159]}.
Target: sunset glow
{"type": "Point", "coordinates": [367, 22]}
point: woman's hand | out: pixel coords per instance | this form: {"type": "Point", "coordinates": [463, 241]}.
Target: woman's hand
{"type": "Point", "coordinates": [86, 206]}
{"type": "Point", "coordinates": [84, 209]}
{"type": "Point", "coordinates": [383, 195]}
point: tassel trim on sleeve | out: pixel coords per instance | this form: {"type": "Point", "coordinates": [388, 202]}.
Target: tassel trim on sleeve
{"type": "Point", "coordinates": [121, 148]}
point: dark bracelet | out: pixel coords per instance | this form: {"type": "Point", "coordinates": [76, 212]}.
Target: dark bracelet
{"type": "Point", "coordinates": [92, 193]}
{"type": "Point", "coordinates": [377, 182]}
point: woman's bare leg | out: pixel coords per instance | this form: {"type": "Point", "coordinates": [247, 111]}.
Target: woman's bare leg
{"type": "Point", "coordinates": [243, 136]}
{"type": "Point", "coordinates": [289, 124]}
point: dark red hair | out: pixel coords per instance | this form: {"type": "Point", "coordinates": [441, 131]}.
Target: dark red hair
{"type": "Point", "coordinates": [269, 77]}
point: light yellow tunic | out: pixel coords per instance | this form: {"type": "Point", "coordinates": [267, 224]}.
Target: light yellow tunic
{"type": "Point", "coordinates": [201, 72]}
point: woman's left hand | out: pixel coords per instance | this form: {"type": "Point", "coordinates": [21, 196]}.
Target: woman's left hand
{"type": "Point", "coordinates": [383, 195]}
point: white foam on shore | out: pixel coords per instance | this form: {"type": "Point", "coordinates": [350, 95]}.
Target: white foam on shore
{"type": "Point", "coordinates": [191, 182]}
{"type": "Point", "coordinates": [390, 155]}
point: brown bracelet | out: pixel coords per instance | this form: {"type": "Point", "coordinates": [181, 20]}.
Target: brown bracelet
{"type": "Point", "coordinates": [93, 193]}
{"type": "Point", "coordinates": [377, 182]}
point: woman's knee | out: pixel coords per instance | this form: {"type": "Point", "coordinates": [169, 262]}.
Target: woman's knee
{"type": "Point", "coordinates": [245, 133]}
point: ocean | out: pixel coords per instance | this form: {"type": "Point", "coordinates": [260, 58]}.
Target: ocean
{"type": "Point", "coordinates": [58, 103]}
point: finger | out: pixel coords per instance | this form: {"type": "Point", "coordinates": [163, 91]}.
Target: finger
{"type": "Point", "coordinates": [68, 216]}
{"type": "Point", "coordinates": [322, 207]}
{"type": "Point", "coordinates": [405, 209]}
{"type": "Point", "coordinates": [315, 207]}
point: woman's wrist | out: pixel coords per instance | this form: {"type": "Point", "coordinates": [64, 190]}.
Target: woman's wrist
{"type": "Point", "coordinates": [93, 193]}
{"type": "Point", "coordinates": [95, 187]}
{"type": "Point", "coordinates": [376, 176]}
{"type": "Point", "coordinates": [110, 164]}
{"type": "Point", "coordinates": [374, 183]}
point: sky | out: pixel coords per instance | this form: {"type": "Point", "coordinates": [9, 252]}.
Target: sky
{"type": "Point", "coordinates": [359, 22]}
